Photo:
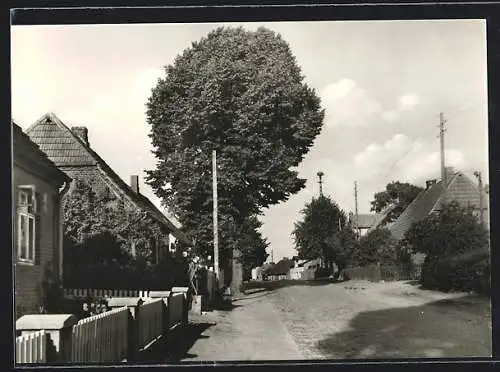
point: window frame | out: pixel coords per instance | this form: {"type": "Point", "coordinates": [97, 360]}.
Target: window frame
{"type": "Point", "coordinates": [27, 207]}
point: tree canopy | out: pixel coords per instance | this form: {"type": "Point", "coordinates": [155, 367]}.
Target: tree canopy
{"type": "Point", "coordinates": [252, 246]}
{"type": "Point", "coordinates": [317, 234]}
{"type": "Point", "coordinates": [242, 94]}
{"type": "Point", "coordinates": [397, 195]}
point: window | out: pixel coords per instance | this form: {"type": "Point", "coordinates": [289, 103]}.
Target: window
{"type": "Point", "coordinates": [28, 205]}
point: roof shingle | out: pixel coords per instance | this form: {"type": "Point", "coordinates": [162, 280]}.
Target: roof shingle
{"type": "Point", "coordinates": [66, 149]}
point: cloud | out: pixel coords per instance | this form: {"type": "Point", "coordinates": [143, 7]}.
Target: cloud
{"type": "Point", "coordinates": [346, 103]}
{"type": "Point", "coordinates": [408, 101]}
{"type": "Point", "coordinates": [375, 155]}
{"type": "Point", "coordinates": [405, 102]}
{"type": "Point", "coordinates": [403, 159]}
{"type": "Point", "coordinates": [427, 165]}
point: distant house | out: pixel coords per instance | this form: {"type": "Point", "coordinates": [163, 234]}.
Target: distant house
{"type": "Point", "coordinates": [364, 222]}
{"type": "Point", "coordinates": [70, 150]}
{"type": "Point", "coordinates": [281, 270]}
{"type": "Point", "coordinates": [257, 273]}
{"type": "Point", "coordinates": [459, 188]}
{"type": "Point", "coordinates": [37, 219]}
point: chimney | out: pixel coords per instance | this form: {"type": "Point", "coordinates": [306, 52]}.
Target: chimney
{"type": "Point", "coordinates": [134, 183]}
{"type": "Point", "coordinates": [82, 133]}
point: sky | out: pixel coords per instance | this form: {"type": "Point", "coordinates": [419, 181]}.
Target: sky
{"type": "Point", "coordinates": [383, 85]}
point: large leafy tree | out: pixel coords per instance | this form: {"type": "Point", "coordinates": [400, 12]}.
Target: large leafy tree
{"type": "Point", "coordinates": [252, 246]}
{"type": "Point", "coordinates": [242, 94]}
{"type": "Point", "coordinates": [317, 234]}
{"type": "Point", "coordinates": [456, 249]}
{"type": "Point", "coordinates": [396, 195]}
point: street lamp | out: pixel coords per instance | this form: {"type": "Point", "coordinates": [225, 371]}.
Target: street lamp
{"type": "Point", "coordinates": [320, 175]}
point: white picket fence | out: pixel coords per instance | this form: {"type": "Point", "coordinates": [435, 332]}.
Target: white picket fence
{"type": "Point", "coordinates": [175, 309]}
{"type": "Point", "coordinates": [103, 293]}
{"type": "Point", "coordinates": [32, 348]}
{"type": "Point", "coordinates": [150, 322]}
{"type": "Point", "coordinates": [101, 338]}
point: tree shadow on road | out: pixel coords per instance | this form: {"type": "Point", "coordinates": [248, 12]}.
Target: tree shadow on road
{"type": "Point", "coordinates": [175, 347]}
{"type": "Point", "coordinates": [276, 284]}
{"type": "Point", "coordinates": [449, 328]}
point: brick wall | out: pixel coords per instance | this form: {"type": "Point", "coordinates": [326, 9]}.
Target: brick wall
{"type": "Point", "coordinates": [28, 277]}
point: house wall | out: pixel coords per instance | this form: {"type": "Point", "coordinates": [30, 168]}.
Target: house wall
{"type": "Point", "coordinates": [101, 183]}
{"type": "Point", "coordinates": [28, 277]}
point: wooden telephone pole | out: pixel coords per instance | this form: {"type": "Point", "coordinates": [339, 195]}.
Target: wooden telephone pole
{"type": "Point", "coordinates": [356, 226]}
{"type": "Point", "coordinates": [216, 234]}
{"type": "Point", "coordinates": [444, 181]}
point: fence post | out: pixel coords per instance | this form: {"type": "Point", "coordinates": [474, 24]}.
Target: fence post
{"type": "Point", "coordinates": [58, 326]}
{"type": "Point", "coordinates": [133, 304]}
{"type": "Point", "coordinates": [378, 272]}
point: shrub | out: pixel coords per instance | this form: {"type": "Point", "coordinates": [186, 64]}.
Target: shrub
{"type": "Point", "coordinates": [456, 247]}
{"type": "Point", "coordinates": [376, 246]}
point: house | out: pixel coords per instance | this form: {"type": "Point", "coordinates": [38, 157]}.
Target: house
{"type": "Point", "coordinates": [38, 186]}
{"type": "Point", "coordinates": [459, 188]}
{"type": "Point", "coordinates": [71, 152]}
{"type": "Point", "coordinates": [364, 222]}
{"type": "Point", "coordinates": [310, 268]}
{"type": "Point", "coordinates": [257, 273]}
{"type": "Point", "coordinates": [281, 270]}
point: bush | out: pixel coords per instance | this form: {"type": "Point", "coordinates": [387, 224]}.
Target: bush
{"type": "Point", "coordinates": [138, 276]}
{"type": "Point", "coordinates": [456, 247]}
{"type": "Point", "coordinates": [376, 246]}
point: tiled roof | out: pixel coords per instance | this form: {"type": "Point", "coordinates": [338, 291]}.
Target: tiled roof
{"type": "Point", "coordinates": [59, 143]}
{"type": "Point", "coordinates": [22, 144]}
{"type": "Point", "coordinates": [418, 209]}
{"type": "Point", "coordinates": [66, 149]}
{"type": "Point", "coordinates": [365, 221]}
{"type": "Point", "coordinates": [382, 217]}
{"type": "Point", "coordinates": [460, 188]}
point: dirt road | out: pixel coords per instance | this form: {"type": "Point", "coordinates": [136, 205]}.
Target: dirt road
{"type": "Point", "coordinates": [348, 320]}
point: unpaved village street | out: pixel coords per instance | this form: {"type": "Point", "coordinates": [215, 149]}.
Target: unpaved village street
{"type": "Point", "coordinates": [351, 320]}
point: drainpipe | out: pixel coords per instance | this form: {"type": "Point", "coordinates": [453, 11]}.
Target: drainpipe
{"type": "Point", "coordinates": [62, 191]}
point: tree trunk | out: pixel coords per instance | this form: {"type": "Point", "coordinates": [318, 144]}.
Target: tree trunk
{"type": "Point", "coordinates": [237, 273]}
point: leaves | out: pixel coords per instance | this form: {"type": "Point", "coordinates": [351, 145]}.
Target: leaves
{"type": "Point", "coordinates": [317, 235]}
{"type": "Point", "coordinates": [377, 246]}
{"type": "Point", "coordinates": [456, 248]}
{"type": "Point", "coordinates": [396, 194]}
{"type": "Point", "coordinates": [242, 94]}
{"type": "Point", "coordinates": [99, 230]}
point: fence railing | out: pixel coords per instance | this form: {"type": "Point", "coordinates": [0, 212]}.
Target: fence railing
{"type": "Point", "coordinates": [176, 309]}
{"type": "Point", "coordinates": [32, 348]}
{"type": "Point", "coordinates": [376, 273]}
{"type": "Point", "coordinates": [149, 320]}
{"type": "Point", "coordinates": [102, 337]}
{"type": "Point", "coordinates": [103, 293]}
{"type": "Point", "coordinates": [118, 335]}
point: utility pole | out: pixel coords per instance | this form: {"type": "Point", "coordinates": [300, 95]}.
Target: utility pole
{"type": "Point", "coordinates": [320, 175]}
{"type": "Point", "coordinates": [481, 201]}
{"type": "Point", "coordinates": [356, 226]}
{"type": "Point", "coordinates": [272, 254]}
{"type": "Point", "coordinates": [444, 181]}
{"type": "Point", "coordinates": [216, 235]}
